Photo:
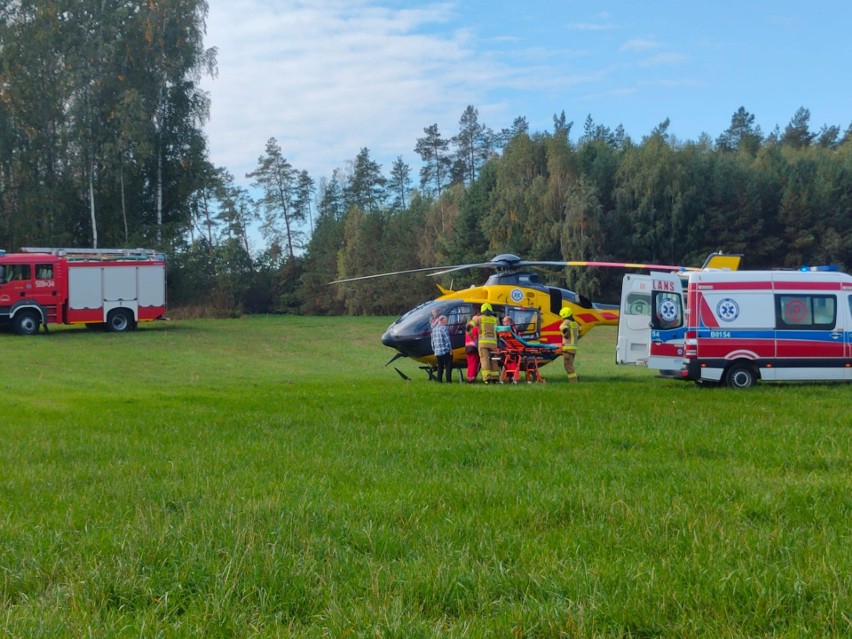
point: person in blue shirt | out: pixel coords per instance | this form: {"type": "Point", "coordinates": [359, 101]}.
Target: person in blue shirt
{"type": "Point", "coordinates": [442, 348]}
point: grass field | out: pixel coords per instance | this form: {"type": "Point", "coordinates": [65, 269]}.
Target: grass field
{"type": "Point", "coordinates": [269, 477]}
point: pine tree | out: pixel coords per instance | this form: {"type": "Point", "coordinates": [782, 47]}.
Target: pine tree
{"type": "Point", "coordinates": [433, 151]}
{"type": "Point", "coordinates": [474, 144]}
{"type": "Point", "coordinates": [399, 185]}
{"type": "Point", "coordinates": [366, 186]}
{"type": "Point", "coordinates": [279, 203]}
{"type": "Point", "coordinates": [742, 134]}
{"type": "Point", "coordinates": [797, 134]}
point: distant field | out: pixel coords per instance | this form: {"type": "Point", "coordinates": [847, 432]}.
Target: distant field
{"type": "Point", "coordinates": [269, 477]}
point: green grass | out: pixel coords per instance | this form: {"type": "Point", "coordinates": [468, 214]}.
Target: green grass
{"type": "Point", "coordinates": [269, 477]}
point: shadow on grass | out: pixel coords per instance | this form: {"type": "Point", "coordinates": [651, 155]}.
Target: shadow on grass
{"type": "Point", "coordinates": [619, 379]}
{"type": "Point", "coordinates": [63, 331]}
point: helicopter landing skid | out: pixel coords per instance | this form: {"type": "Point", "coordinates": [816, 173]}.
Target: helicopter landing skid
{"type": "Point", "coordinates": [430, 372]}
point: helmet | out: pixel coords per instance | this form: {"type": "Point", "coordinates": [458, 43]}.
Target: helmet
{"type": "Point", "coordinates": [565, 313]}
{"type": "Point", "coordinates": [485, 307]}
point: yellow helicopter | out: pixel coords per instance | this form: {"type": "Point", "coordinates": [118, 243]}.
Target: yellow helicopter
{"type": "Point", "coordinates": [513, 290]}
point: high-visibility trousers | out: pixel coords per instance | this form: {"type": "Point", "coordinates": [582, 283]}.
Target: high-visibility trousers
{"type": "Point", "coordinates": [568, 361]}
{"type": "Point", "coordinates": [488, 365]}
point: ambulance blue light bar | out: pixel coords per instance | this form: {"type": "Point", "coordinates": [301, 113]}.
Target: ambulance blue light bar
{"type": "Point", "coordinates": [819, 268]}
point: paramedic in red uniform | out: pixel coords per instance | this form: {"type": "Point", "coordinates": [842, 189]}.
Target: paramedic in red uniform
{"type": "Point", "coordinates": [570, 334]}
{"type": "Point", "coordinates": [471, 350]}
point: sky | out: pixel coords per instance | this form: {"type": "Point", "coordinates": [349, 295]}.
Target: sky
{"type": "Point", "coordinates": [327, 78]}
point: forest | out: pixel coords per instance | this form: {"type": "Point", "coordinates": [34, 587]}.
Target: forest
{"type": "Point", "coordinates": [102, 144]}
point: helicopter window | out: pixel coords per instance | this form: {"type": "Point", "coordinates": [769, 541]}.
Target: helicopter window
{"type": "Point", "coordinates": [457, 319]}
{"type": "Point", "coordinates": [555, 300]}
{"type": "Point", "coordinates": [584, 301]}
{"type": "Point", "coordinates": [418, 320]}
{"type": "Point", "coordinates": [528, 278]}
{"type": "Point", "coordinates": [525, 321]}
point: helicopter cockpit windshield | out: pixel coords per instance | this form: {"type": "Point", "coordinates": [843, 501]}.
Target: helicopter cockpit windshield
{"type": "Point", "coordinates": [411, 333]}
{"type": "Point", "coordinates": [418, 321]}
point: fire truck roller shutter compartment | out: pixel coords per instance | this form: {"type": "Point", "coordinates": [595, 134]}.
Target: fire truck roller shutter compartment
{"type": "Point", "coordinates": [85, 289]}
{"type": "Point", "coordinates": [120, 284]}
{"type": "Point", "coordinates": [152, 291]}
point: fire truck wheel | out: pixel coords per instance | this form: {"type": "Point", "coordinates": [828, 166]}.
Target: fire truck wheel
{"type": "Point", "coordinates": [26, 323]}
{"type": "Point", "coordinates": [119, 321]}
{"type": "Point", "coordinates": [740, 376]}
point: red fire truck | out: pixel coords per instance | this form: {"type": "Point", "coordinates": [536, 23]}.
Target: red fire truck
{"type": "Point", "coordinates": [112, 288]}
{"type": "Point", "coordinates": [738, 327]}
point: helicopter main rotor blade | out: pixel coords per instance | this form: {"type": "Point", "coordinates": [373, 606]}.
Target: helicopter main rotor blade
{"type": "Point", "coordinates": [511, 265]}
{"type": "Point", "coordinates": [460, 267]}
{"type": "Point", "coordinates": [574, 263]}
{"type": "Point", "coordinates": [370, 277]}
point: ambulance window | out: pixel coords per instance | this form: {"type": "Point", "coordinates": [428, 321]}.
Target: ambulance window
{"type": "Point", "coordinates": [638, 304]}
{"type": "Point", "coordinates": [667, 310]}
{"type": "Point", "coordinates": [44, 271]}
{"type": "Point", "coordinates": [805, 312]}
{"type": "Point", "coordinates": [824, 310]}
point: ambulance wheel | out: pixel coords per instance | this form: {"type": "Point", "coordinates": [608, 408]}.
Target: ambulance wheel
{"type": "Point", "coordinates": [740, 376]}
{"type": "Point", "coordinates": [119, 320]}
{"type": "Point", "coordinates": [26, 323]}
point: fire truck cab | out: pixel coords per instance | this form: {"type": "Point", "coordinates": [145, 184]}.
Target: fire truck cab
{"type": "Point", "coordinates": [114, 288]}
{"type": "Point", "coordinates": [738, 327]}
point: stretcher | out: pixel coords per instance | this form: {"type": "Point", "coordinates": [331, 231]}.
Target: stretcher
{"type": "Point", "coordinates": [520, 355]}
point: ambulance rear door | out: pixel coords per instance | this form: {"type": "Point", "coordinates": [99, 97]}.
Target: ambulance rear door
{"type": "Point", "coordinates": [668, 326]}
{"type": "Point", "coordinates": [634, 321]}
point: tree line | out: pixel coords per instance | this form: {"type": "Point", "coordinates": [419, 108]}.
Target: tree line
{"type": "Point", "coordinates": [101, 119]}
{"type": "Point", "coordinates": [782, 199]}
{"type": "Point", "coordinates": [101, 144]}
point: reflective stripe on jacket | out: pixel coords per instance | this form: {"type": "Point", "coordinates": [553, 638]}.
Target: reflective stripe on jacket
{"type": "Point", "coordinates": [570, 334]}
{"type": "Point", "coordinates": [488, 331]}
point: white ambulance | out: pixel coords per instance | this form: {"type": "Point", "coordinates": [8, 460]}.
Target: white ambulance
{"type": "Point", "coordinates": [738, 327]}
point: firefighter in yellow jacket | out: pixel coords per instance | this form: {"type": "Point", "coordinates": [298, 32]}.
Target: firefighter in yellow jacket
{"type": "Point", "coordinates": [487, 324]}
{"type": "Point", "coordinates": [570, 334]}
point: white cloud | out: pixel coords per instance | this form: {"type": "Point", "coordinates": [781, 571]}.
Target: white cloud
{"type": "Point", "coordinates": [639, 45]}
{"type": "Point", "coordinates": [662, 59]}
{"type": "Point", "coordinates": [591, 26]}
{"type": "Point", "coordinates": [685, 83]}
{"type": "Point", "coordinates": [326, 78]}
